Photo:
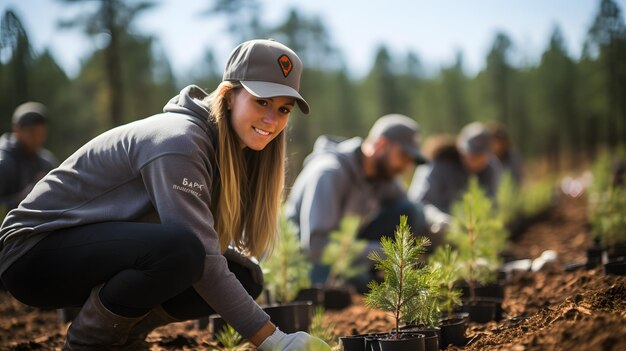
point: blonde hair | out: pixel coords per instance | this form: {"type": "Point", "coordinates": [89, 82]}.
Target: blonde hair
{"type": "Point", "coordinates": [251, 183]}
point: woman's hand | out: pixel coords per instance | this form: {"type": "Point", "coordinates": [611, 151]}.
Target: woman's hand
{"type": "Point", "coordinates": [299, 341]}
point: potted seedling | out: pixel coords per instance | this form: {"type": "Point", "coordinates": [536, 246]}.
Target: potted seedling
{"type": "Point", "coordinates": [340, 255]}
{"type": "Point", "coordinates": [608, 216]}
{"type": "Point", "coordinates": [479, 237]}
{"type": "Point", "coordinates": [422, 313]}
{"type": "Point", "coordinates": [452, 324]}
{"type": "Point", "coordinates": [402, 284]}
{"type": "Point", "coordinates": [287, 272]}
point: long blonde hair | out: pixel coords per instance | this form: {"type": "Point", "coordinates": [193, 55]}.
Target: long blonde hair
{"type": "Point", "coordinates": [251, 183]}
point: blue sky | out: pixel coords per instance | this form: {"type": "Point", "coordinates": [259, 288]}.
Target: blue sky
{"type": "Point", "coordinates": [435, 30]}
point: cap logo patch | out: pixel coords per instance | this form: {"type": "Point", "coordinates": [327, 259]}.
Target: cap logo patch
{"type": "Point", "coordinates": [285, 65]}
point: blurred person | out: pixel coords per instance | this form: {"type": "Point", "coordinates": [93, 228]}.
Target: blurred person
{"type": "Point", "coordinates": [356, 177]}
{"type": "Point", "coordinates": [153, 222]}
{"type": "Point", "coordinates": [502, 148]}
{"type": "Point", "coordinates": [23, 160]}
{"type": "Point", "coordinates": [438, 184]}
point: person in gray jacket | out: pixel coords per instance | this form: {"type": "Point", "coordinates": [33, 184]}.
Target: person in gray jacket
{"type": "Point", "coordinates": [355, 177]}
{"type": "Point", "coordinates": [23, 160]}
{"type": "Point", "coordinates": [209, 169]}
{"type": "Point", "coordinates": [441, 182]}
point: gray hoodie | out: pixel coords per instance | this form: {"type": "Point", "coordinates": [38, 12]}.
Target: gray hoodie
{"type": "Point", "coordinates": [331, 186]}
{"type": "Point", "coordinates": [19, 171]}
{"type": "Point", "coordinates": [164, 164]}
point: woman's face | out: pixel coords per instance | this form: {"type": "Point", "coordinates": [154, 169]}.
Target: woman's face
{"type": "Point", "coordinates": [257, 121]}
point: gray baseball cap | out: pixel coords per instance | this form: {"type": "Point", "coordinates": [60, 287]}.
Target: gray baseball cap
{"type": "Point", "coordinates": [266, 69]}
{"type": "Point", "coordinates": [474, 139]}
{"type": "Point", "coordinates": [29, 113]}
{"type": "Point", "coordinates": [402, 130]}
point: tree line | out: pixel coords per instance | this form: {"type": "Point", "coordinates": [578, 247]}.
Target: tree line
{"type": "Point", "coordinates": [556, 106]}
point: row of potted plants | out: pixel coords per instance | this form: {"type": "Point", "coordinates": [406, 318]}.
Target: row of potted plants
{"type": "Point", "coordinates": [607, 214]}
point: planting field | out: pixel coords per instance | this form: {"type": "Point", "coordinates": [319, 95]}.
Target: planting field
{"type": "Point", "coordinates": [548, 310]}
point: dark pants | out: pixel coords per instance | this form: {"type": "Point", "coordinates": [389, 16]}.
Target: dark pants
{"type": "Point", "coordinates": [142, 265]}
{"type": "Point", "coordinates": [383, 224]}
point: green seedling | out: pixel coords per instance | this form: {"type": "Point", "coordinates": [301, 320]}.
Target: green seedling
{"type": "Point", "coordinates": [478, 235]}
{"type": "Point", "coordinates": [230, 340]}
{"type": "Point", "coordinates": [342, 251]}
{"type": "Point", "coordinates": [508, 198]}
{"type": "Point", "coordinates": [321, 329]}
{"type": "Point", "coordinates": [404, 283]}
{"type": "Point", "coordinates": [287, 270]}
{"type": "Point", "coordinates": [446, 262]}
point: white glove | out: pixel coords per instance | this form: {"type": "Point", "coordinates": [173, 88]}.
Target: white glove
{"type": "Point", "coordinates": [254, 268]}
{"type": "Point", "coordinates": [299, 341]}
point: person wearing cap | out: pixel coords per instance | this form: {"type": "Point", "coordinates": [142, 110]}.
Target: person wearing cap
{"type": "Point", "coordinates": [439, 183]}
{"type": "Point", "coordinates": [153, 222]}
{"type": "Point", "coordinates": [23, 160]}
{"type": "Point", "coordinates": [502, 148]}
{"type": "Point", "coordinates": [355, 177]}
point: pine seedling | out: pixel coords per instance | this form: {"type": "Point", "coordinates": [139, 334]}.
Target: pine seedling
{"type": "Point", "coordinates": [446, 263]}
{"type": "Point", "coordinates": [424, 309]}
{"type": "Point", "coordinates": [287, 270]}
{"type": "Point", "coordinates": [402, 281]}
{"type": "Point", "coordinates": [342, 251]}
{"type": "Point", "coordinates": [507, 198]}
{"type": "Point", "coordinates": [607, 203]}
{"type": "Point", "coordinates": [230, 340]}
{"type": "Point", "coordinates": [321, 329]}
{"type": "Point", "coordinates": [478, 235]}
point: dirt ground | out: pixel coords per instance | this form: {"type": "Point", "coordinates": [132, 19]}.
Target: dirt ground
{"type": "Point", "coordinates": [547, 310]}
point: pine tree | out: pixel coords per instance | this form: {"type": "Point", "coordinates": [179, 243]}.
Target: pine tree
{"type": "Point", "coordinates": [404, 278]}
{"type": "Point", "coordinates": [446, 262]}
{"type": "Point", "coordinates": [287, 270]}
{"type": "Point", "coordinates": [341, 252]}
{"type": "Point", "coordinates": [478, 235]}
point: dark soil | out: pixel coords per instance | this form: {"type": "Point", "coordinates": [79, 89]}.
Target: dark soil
{"type": "Point", "coordinates": [546, 310]}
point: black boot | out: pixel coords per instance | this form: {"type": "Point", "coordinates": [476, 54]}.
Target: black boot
{"type": "Point", "coordinates": [137, 336]}
{"type": "Point", "coordinates": [96, 328]}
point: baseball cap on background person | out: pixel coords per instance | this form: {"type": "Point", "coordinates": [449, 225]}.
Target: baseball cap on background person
{"type": "Point", "coordinates": [474, 139]}
{"type": "Point", "coordinates": [29, 113]}
{"type": "Point", "coordinates": [402, 130]}
{"type": "Point", "coordinates": [266, 69]}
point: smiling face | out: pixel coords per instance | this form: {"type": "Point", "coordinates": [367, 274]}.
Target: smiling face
{"type": "Point", "coordinates": [257, 121]}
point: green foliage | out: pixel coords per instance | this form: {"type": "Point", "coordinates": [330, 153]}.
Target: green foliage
{"type": "Point", "coordinates": [341, 252]}
{"type": "Point", "coordinates": [448, 267]}
{"type": "Point", "coordinates": [287, 270]}
{"type": "Point", "coordinates": [607, 203]}
{"type": "Point", "coordinates": [507, 198]}
{"type": "Point", "coordinates": [229, 337]}
{"type": "Point", "coordinates": [536, 197]}
{"type": "Point", "coordinates": [321, 329]}
{"type": "Point", "coordinates": [404, 279]}
{"type": "Point", "coordinates": [478, 235]}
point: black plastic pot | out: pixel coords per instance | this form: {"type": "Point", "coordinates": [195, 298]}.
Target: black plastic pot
{"type": "Point", "coordinates": [406, 342]}
{"type": "Point", "coordinates": [330, 298]}
{"type": "Point", "coordinates": [432, 335]}
{"type": "Point", "coordinates": [352, 343]}
{"type": "Point", "coordinates": [453, 332]}
{"type": "Point", "coordinates": [594, 257]}
{"type": "Point", "coordinates": [616, 268]}
{"type": "Point", "coordinates": [480, 311]}
{"type": "Point", "coordinates": [371, 341]}
{"type": "Point", "coordinates": [337, 298]}
{"type": "Point", "coordinates": [315, 295]}
{"type": "Point", "coordinates": [291, 317]}
{"type": "Point", "coordinates": [616, 252]}
{"type": "Point", "coordinates": [491, 290]}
